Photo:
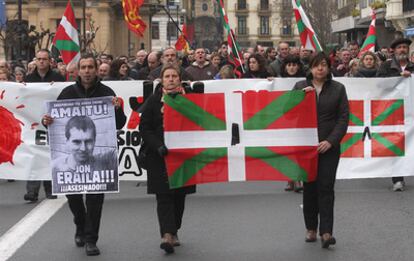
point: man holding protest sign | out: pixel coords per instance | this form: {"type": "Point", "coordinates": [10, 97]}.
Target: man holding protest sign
{"type": "Point", "coordinates": [87, 218]}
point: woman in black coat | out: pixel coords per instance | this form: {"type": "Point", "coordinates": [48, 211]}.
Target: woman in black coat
{"type": "Point", "coordinates": [292, 67]}
{"type": "Point", "coordinates": [333, 117]}
{"type": "Point", "coordinates": [119, 71]}
{"type": "Point", "coordinates": [170, 202]}
{"type": "Point", "coordinates": [256, 67]}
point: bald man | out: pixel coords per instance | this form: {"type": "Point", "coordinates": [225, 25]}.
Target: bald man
{"type": "Point", "coordinates": [154, 60]}
{"type": "Point", "coordinates": [103, 70]}
{"type": "Point", "coordinates": [140, 60]}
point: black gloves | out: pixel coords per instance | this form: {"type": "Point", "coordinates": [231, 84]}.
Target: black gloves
{"type": "Point", "coordinates": [162, 151]}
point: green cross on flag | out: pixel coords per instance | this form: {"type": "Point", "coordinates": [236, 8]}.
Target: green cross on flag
{"type": "Point", "coordinates": [276, 133]}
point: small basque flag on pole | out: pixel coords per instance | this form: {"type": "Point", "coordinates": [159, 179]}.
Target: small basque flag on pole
{"type": "Point", "coordinates": [66, 39]}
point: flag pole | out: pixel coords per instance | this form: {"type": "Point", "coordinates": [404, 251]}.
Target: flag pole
{"type": "Point", "coordinates": [175, 23]}
{"type": "Point", "coordinates": [238, 55]}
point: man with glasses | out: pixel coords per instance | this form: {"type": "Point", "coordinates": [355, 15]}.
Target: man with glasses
{"type": "Point", "coordinates": [201, 69]}
{"type": "Point", "coordinates": [42, 73]}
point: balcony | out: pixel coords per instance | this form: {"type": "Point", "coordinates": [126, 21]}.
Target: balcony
{"type": "Point", "coordinates": [264, 32]}
{"type": "Point", "coordinates": [343, 24]}
{"type": "Point", "coordinates": [265, 9]}
{"type": "Point", "coordinates": [241, 9]}
{"type": "Point", "coordinates": [286, 32]}
{"type": "Point", "coordinates": [242, 31]}
{"type": "Point", "coordinates": [346, 11]}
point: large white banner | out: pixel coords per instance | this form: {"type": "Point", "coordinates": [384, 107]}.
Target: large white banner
{"type": "Point", "coordinates": [379, 142]}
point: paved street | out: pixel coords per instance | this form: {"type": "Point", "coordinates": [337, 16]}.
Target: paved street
{"type": "Point", "coordinates": [237, 221]}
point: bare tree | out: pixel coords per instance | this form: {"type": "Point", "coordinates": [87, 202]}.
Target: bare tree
{"type": "Point", "coordinates": [87, 42]}
{"type": "Point", "coordinates": [29, 38]}
{"type": "Point", "coordinates": [320, 14]}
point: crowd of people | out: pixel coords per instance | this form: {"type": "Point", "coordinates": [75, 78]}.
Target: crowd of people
{"type": "Point", "coordinates": [171, 68]}
{"type": "Point", "coordinates": [201, 64]}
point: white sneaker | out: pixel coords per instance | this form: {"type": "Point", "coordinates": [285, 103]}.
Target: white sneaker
{"type": "Point", "coordinates": [398, 186]}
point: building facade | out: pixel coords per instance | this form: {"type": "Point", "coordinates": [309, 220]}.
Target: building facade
{"type": "Point", "coordinates": [394, 19]}
{"type": "Point", "coordinates": [264, 22]}
{"type": "Point", "coordinates": [112, 34]}
{"type": "Point", "coordinates": [401, 15]}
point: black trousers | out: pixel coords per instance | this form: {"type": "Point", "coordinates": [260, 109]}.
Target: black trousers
{"type": "Point", "coordinates": [170, 210]}
{"type": "Point", "coordinates": [33, 186]}
{"type": "Point", "coordinates": [87, 216]}
{"type": "Point", "coordinates": [319, 196]}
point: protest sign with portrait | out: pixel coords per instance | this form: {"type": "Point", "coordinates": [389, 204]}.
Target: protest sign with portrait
{"type": "Point", "coordinates": [83, 146]}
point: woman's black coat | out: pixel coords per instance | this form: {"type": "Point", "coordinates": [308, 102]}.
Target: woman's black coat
{"type": "Point", "coordinates": [332, 110]}
{"type": "Point", "coordinates": [152, 131]}
{"type": "Point", "coordinates": [366, 73]}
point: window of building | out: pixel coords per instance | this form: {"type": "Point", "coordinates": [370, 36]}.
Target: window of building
{"type": "Point", "coordinates": [241, 4]}
{"type": "Point", "coordinates": [264, 25]}
{"type": "Point", "coordinates": [408, 5]}
{"type": "Point", "coordinates": [341, 3]}
{"type": "Point", "coordinates": [155, 30]}
{"type": "Point", "coordinates": [242, 25]}
{"type": "Point", "coordinates": [171, 3]}
{"type": "Point", "coordinates": [362, 3]}
{"type": "Point", "coordinates": [171, 30]}
{"type": "Point", "coordinates": [286, 3]}
{"type": "Point", "coordinates": [287, 27]}
{"type": "Point", "coordinates": [264, 4]}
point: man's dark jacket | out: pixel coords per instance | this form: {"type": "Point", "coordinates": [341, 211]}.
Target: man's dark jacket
{"type": "Point", "coordinates": [77, 91]}
{"type": "Point", "coordinates": [51, 76]}
{"type": "Point", "coordinates": [332, 110]}
{"type": "Point", "coordinates": [391, 68]}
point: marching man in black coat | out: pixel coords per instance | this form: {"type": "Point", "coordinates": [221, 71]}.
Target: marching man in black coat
{"type": "Point", "coordinates": [87, 216]}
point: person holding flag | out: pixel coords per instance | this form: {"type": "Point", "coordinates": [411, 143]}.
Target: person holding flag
{"type": "Point", "coordinates": [333, 117]}
{"type": "Point", "coordinates": [170, 202]}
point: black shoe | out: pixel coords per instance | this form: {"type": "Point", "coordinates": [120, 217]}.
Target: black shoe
{"type": "Point", "coordinates": [79, 240]}
{"type": "Point", "coordinates": [328, 242]}
{"type": "Point", "coordinates": [91, 249]}
{"type": "Point", "coordinates": [29, 196]}
{"type": "Point", "coordinates": [167, 247]}
{"type": "Point", "coordinates": [167, 243]}
{"type": "Point", "coordinates": [10, 180]}
{"type": "Point", "coordinates": [50, 196]}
